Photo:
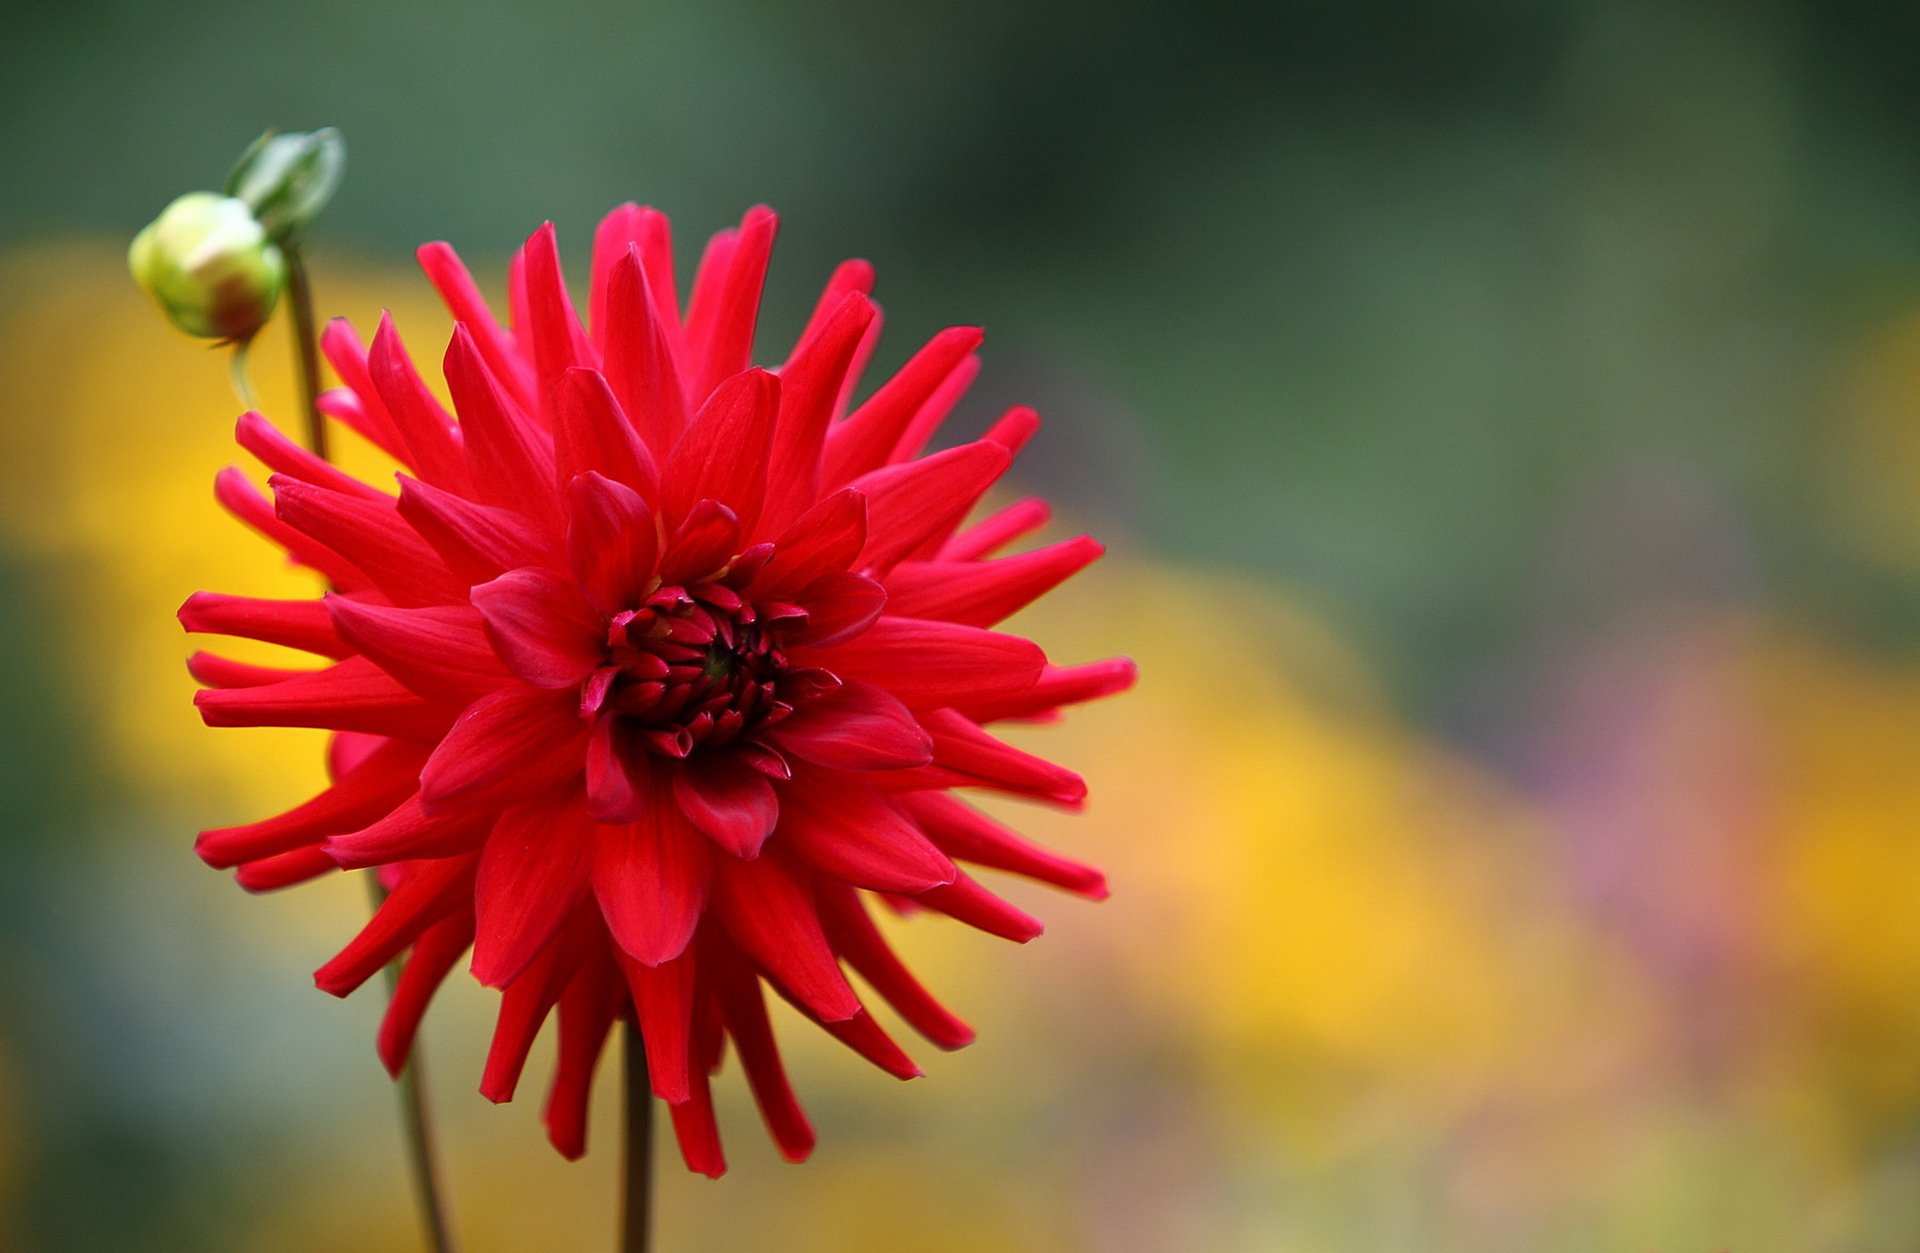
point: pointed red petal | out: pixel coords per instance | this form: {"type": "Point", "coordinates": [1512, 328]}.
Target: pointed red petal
{"type": "Point", "coordinates": [824, 540]}
{"type": "Point", "coordinates": [440, 651]}
{"type": "Point", "coordinates": [509, 745]}
{"type": "Point", "coordinates": [542, 627]}
{"type": "Point", "coordinates": [810, 388]}
{"type": "Point", "coordinates": [730, 802]}
{"type": "Point", "coordinates": [723, 455]}
{"type": "Point", "coordinates": [855, 727]}
{"type": "Point", "coordinates": [839, 607]}
{"type": "Point", "coordinates": [433, 955]}
{"type": "Point", "coordinates": [907, 504]}
{"type": "Point", "coordinates": [982, 593]}
{"type": "Point", "coordinates": [846, 829]}
{"type": "Point", "coordinates": [428, 892]}
{"type": "Point", "coordinates": [591, 432]}
{"type": "Point", "coordinates": [932, 664]}
{"type": "Point", "coordinates": [768, 909]}
{"type": "Point", "coordinates": [535, 867]}
{"type": "Point", "coordinates": [639, 356]}
{"type": "Point", "coordinates": [302, 624]}
{"type": "Point", "coordinates": [863, 442]}
{"type": "Point", "coordinates": [652, 879]}
{"type": "Point", "coordinates": [612, 542]}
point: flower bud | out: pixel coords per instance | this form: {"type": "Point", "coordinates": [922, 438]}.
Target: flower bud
{"type": "Point", "coordinates": [210, 265]}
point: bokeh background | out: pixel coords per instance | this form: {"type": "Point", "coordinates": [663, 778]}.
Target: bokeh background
{"type": "Point", "coordinates": [1505, 420]}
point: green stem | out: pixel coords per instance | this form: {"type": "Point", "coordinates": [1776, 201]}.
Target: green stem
{"type": "Point", "coordinates": [427, 1190]}
{"type": "Point", "coordinates": [636, 1193]}
{"type": "Point", "coordinates": [306, 350]}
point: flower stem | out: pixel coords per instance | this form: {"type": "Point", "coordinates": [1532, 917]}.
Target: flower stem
{"type": "Point", "coordinates": [636, 1194]}
{"type": "Point", "coordinates": [427, 1191]}
{"type": "Point", "coordinates": [418, 1129]}
{"type": "Point", "coordinates": [306, 349]}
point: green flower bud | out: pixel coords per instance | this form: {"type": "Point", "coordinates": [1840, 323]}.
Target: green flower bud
{"type": "Point", "coordinates": [209, 264]}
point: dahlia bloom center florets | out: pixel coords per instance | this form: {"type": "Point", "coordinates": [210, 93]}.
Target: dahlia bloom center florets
{"type": "Point", "coordinates": [693, 666]}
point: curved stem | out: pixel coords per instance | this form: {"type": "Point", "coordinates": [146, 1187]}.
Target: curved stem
{"type": "Point", "coordinates": [418, 1130]}
{"type": "Point", "coordinates": [237, 375]}
{"type": "Point", "coordinates": [636, 1192]}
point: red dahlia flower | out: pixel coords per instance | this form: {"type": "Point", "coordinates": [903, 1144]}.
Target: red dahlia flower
{"type": "Point", "coordinates": [653, 669]}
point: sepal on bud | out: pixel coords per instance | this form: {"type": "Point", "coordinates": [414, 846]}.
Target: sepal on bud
{"type": "Point", "coordinates": [210, 265]}
{"type": "Point", "coordinates": [288, 179]}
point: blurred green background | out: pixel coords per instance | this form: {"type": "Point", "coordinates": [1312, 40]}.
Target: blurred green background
{"type": "Point", "coordinates": [1504, 421]}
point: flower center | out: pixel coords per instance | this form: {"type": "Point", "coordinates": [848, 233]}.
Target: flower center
{"type": "Point", "coordinates": [691, 666]}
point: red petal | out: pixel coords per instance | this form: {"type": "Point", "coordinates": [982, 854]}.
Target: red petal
{"type": "Point", "coordinates": [280, 454]}
{"type": "Point", "coordinates": [981, 593]}
{"type": "Point", "coordinates": [542, 627]}
{"type": "Point", "coordinates": [354, 695]}
{"type": "Point", "coordinates": [723, 455]}
{"type": "Point", "coordinates": [697, 1132]}
{"type": "Point", "coordinates": [592, 433]}
{"type": "Point", "coordinates": [907, 504]}
{"type": "Point", "coordinates": [428, 892]}
{"type": "Point", "coordinates": [810, 387]}
{"type": "Point", "coordinates": [361, 795]}
{"type": "Point", "coordinates": [302, 624]}
{"type": "Point", "coordinates": [612, 543]}
{"type": "Point", "coordinates": [370, 534]}
{"type": "Point", "coordinates": [433, 955]}
{"type": "Point", "coordinates": [933, 411]}
{"type": "Point", "coordinates": [996, 531]}
{"type": "Point", "coordinates": [588, 1008]}
{"type": "Point", "coordinates": [930, 664]}
{"type": "Point", "coordinates": [726, 347]}
{"type": "Point", "coordinates": [440, 652]}
{"type": "Point", "coordinates": [456, 287]}
{"type": "Point", "coordinates": [409, 833]}
{"type": "Point", "coordinates": [967, 901]}
{"type": "Point", "coordinates": [964, 832]}
{"type": "Point", "coordinates": [558, 341]}
{"type": "Point", "coordinates": [283, 870]}
{"type": "Point", "coordinates": [663, 1003]}
{"type": "Point", "coordinates": [839, 607]}
{"type": "Point", "coordinates": [616, 772]}
{"type": "Point", "coordinates": [476, 541]}
{"type": "Point", "coordinates": [510, 457]}
{"type": "Point", "coordinates": [507, 746]}
{"type": "Point", "coordinates": [241, 499]}
{"type": "Point", "coordinates": [535, 867]}
{"type": "Point", "coordinates": [859, 941]}
{"type": "Point", "coordinates": [1058, 685]}
{"type": "Point", "coordinates": [705, 542]}
{"type": "Point", "coordinates": [863, 442]}
{"type": "Point", "coordinates": [845, 828]}
{"type": "Point", "coordinates": [652, 879]}
{"type": "Point", "coordinates": [855, 727]}
{"type": "Point", "coordinates": [745, 1010]}
{"type": "Point", "coordinates": [433, 443]}
{"type": "Point", "coordinates": [212, 670]}
{"type": "Point", "coordinates": [824, 540]}
{"type": "Point", "coordinates": [961, 746]}
{"type": "Point", "coordinates": [730, 802]}
{"type": "Point", "coordinates": [639, 354]}
{"type": "Point", "coordinates": [357, 403]}
{"type": "Point", "coordinates": [768, 909]}
{"type": "Point", "coordinates": [524, 1006]}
